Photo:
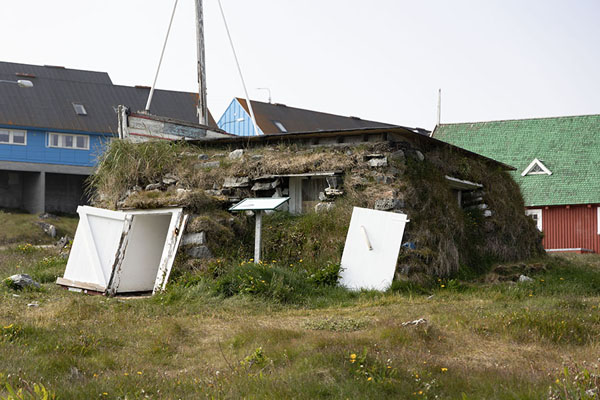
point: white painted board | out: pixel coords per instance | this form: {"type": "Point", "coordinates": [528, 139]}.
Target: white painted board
{"type": "Point", "coordinates": [260, 203]}
{"type": "Point", "coordinates": [371, 251]}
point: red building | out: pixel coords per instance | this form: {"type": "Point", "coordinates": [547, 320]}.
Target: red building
{"type": "Point", "coordinates": [558, 170]}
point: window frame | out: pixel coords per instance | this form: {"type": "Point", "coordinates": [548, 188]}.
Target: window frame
{"type": "Point", "coordinates": [11, 137]}
{"type": "Point", "coordinates": [540, 164]}
{"type": "Point", "coordinates": [279, 125]}
{"type": "Point", "coordinates": [61, 141]}
{"type": "Point", "coordinates": [538, 212]}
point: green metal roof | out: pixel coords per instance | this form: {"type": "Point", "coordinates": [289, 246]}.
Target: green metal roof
{"type": "Point", "coordinates": [568, 146]}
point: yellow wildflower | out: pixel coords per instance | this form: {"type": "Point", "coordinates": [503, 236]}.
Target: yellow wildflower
{"type": "Point", "coordinates": [139, 372]}
{"type": "Point", "coordinates": [9, 326]}
{"type": "Point", "coordinates": [126, 374]}
{"type": "Point", "coordinates": [443, 286]}
{"type": "Point", "coordinates": [444, 369]}
{"type": "Point", "coordinates": [369, 379]}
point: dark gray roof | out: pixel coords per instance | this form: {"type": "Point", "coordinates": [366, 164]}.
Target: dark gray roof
{"type": "Point", "coordinates": [49, 104]}
{"type": "Point", "coordinates": [301, 120]}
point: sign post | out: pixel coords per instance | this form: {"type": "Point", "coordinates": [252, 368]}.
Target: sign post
{"type": "Point", "coordinates": [258, 205]}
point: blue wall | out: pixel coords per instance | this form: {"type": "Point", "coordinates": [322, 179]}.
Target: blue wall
{"type": "Point", "coordinates": [243, 128]}
{"type": "Point", "coordinates": [37, 150]}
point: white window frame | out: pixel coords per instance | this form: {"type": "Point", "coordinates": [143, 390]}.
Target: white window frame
{"type": "Point", "coordinates": [11, 136]}
{"type": "Point", "coordinates": [538, 212]}
{"type": "Point", "coordinates": [61, 141]}
{"type": "Point", "coordinates": [544, 169]}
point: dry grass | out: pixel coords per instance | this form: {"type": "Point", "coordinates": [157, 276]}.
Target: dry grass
{"type": "Point", "coordinates": [189, 343]}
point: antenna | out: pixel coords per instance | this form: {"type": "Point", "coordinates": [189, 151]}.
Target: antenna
{"type": "Point", "coordinates": [439, 107]}
{"type": "Point", "coordinates": [269, 90]}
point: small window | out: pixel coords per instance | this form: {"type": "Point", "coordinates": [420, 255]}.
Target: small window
{"type": "Point", "coordinates": [280, 126]}
{"type": "Point", "coordinates": [536, 215]}
{"type": "Point", "coordinates": [536, 168]}
{"type": "Point", "coordinates": [67, 141]}
{"type": "Point", "coordinates": [9, 136]}
{"type": "Point", "coordinates": [79, 109]}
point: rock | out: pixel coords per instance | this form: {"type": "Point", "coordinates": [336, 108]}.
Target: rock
{"type": "Point", "coordinates": [210, 192]}
{"type": "Point", "coordinates": [236, 154]}
{"type": "Point", "coordinates": [63, 242]}
{"type": "Point", "coordinates": [387, 204]}
{"type": "Point", "coordinates": [324, 207]}
{"type": "Point", "coordinates": [199, 252]}
{"type": "Point", "coordinates": [48, 216]}
{"type": "Point", "coordinates": [525, 278]}
{"type": "Point", "coordinates": [265, 185]}
{"type": "Point", "coordinates": [49, 229]}
{"type": "Point", "coordinates": [198, 238]}
{"type": "Point", "coordinates": [236, 182]}
{"type": "Point", "coordinates": [419, 155]}
{"type": "Point", "coordinates": [398, 155]}
{"type": "Point", "coordinates": [202, 157]}
{"type": "Point", "coordinates": [21, 281]}
{"type": "Point", "coordinates": [154, 186]}
{"type": "Point", "coordinates": [170, 179]}
{"type": "Point", "coordinates": [182, 191]}
{"type": "Point", "coordinates": [371, 156]}
{"type": "Point", "coordinates": [384, 179]}
{"type": "Point", "coordinates": [218, 155]}
{"type": "Point", "coordinates": [206, 165]}
{"type": "Point", "coordinates": [378, 162]}
{"type": "Point", "coordinates": [331, 192]}
{"type": "Point", "coordinates": [257, 157]}
{"type": "Point", "coordinates": [34, 304]}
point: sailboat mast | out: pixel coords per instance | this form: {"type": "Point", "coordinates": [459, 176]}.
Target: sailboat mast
{"type": "Point", "coordinates": [202, 107]}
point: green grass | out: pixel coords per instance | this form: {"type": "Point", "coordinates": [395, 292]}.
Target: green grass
{"type": "Point", "coordinates": [196, 340]}
{"type": "Point", "coordinates": [21, 228]}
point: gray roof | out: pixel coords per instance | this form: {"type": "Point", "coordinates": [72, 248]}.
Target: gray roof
{"type": "Point", "coordinates": [49, 104]}
{"type": "Point", "coordinates": [301, 120]}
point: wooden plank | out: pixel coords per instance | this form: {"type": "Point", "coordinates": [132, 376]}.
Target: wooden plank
{"type": "Point", "coordinates": [80, 285]}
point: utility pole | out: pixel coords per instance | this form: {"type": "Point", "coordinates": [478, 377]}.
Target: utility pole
{"type": "Point", "coordinates": [202, 108]}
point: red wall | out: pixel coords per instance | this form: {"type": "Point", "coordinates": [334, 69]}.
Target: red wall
{"type": "Point", "coordinates": [573, 227]}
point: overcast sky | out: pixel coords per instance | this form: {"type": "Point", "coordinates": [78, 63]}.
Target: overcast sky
{"type": "Point", "coordinates": [382, 60]}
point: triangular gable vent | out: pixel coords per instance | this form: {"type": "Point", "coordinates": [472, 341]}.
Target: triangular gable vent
{"type": "Point", "coordinates": [536, 168]}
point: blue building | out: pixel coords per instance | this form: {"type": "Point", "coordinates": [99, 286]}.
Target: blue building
{"type": "Point", "coordinates": [279, 118]}
{"type": "Point", "coordinates": [52, 134]}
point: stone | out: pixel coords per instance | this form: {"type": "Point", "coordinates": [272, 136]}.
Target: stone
{"type": "Point", "coordinates": [21, 281]}
{"type": "Point", "coordinates": [170, 179]}
{"type": "Point", "coordinates": [419, 155]}
{"type": "Point", "coordinates": [371, 156]}
{"type": "Point", "coordinates": [331, 192]}
{"type": "Point", "coordinates": [218, 155]}
{"type": "Point", "coordinates": [378, 162]}
{"type": "Point", "coordinates": [236, 182]}
{"type": "Point", "coordinates": [196, 239]}
{"type": "Point", "coordinates": [215, 193]}
{"type": "Point", "coordinates": [49, 229]}
{"type": "Point", "coordinates": [265, 185]}
{"type": "Point", "coordinates": [182, 191]}
{"type": "Point", "coordinates": [206, 165]}
{"type": "Point", "coordinates": [48, 216]}
{"type": "Point", "coordinates": [257, 157]}
{"type": "Point", "coordinates": [236, 154]}
{"type": "Point", "coordinates": [525, 278]}
{"type": "Point", "coordinates": [324, 207]}
{"type": "Point", "coordinates": [63, 242]}
{"type": "Point", "coordinates": [398, 155]}
{"type": "Point", "coordinates": [199, 252]}
{"type": "Point", "coordinates": [385, 204]}
{"type": "Point", "coordinates": [154, 186]}
{"type": "Point", "coordinates": [202, 157]}
{"type": "Point", "coordinates": [416, 322]}
{"type": "Point", "coordinates": [384, 179]}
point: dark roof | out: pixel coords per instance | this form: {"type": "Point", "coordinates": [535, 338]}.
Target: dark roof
{"type": "Point", "coordinates": [300, 120]}
{"type": "Point", "coordinates": [49, 104]}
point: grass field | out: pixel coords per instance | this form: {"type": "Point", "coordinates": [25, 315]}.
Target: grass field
{"type": "Point", "coordinates": [481, 341]}
{"type": "Point", "coordinates": [21, 228]}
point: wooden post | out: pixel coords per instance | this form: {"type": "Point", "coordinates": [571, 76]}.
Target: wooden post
{"type": "Point", "coordinates": [202, 107]}
{"type": "Point", "coordinates": [257, 236]}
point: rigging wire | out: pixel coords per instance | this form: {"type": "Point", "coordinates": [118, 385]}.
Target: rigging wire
{"type": "Point", "coordinates": [162, 53]}
{"type": "Point", "coordinates": [239, 69]}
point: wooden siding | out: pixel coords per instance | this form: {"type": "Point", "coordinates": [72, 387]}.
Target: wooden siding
{"type": "Point", "coordinates": [575, 227]}
{"type": "Point", "coordinates": [228, 121]}
{"type": "Point", "coordinates": [38, 151]}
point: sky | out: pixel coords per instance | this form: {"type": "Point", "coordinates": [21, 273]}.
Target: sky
{"type": "Point", "coordinates": [382, 60]}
